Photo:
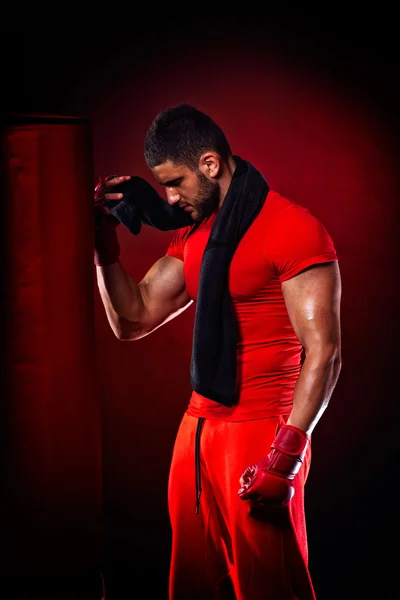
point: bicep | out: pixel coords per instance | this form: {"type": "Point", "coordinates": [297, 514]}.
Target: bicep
{"type": "Point", "coordinates": [312, 300]}
{"type": "Point", "coordinates": [163, 292]}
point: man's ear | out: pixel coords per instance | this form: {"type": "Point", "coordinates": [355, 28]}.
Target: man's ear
{"type": "Point", "coordinates": [210, 165]}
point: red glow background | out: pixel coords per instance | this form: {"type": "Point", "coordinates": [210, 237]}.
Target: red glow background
{"type": "Point", "coordinates": [314, 109]}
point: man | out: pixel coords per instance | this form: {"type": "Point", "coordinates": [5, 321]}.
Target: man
{"type": "Point", "coordinates": [264, 275]}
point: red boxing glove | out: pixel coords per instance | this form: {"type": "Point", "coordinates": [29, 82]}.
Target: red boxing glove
{"type": "Point", "coordinates": [270, 481]}
{"type": "Point", "coordinates": [106, 245]}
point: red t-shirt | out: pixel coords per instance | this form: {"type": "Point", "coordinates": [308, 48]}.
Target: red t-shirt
{"type": "Point", "coordinates": [284, 239]}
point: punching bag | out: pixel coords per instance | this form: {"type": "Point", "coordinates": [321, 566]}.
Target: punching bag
{"type": "Point", "coordinates": [50, 416]}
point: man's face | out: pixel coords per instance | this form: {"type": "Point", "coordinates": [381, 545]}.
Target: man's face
{"type": "Point", "coordinates": [191, 190]}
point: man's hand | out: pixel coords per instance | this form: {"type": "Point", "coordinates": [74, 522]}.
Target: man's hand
{"type": "Point", "coordinates": [102, 193]}
{"type": "Point", "coordinates": [106, 246]}
{"type": "Point", "coordinates": [270, 481]}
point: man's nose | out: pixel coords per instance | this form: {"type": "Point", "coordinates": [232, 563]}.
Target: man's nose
{"type": "Point", "coordinates": [172, 196]}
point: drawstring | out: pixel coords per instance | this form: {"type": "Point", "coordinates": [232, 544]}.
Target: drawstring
{"type": "Point", "coordinates": [197, 462]}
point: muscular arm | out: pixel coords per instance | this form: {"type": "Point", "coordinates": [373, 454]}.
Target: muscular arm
{"type": "Point", "coordinates": [135, 310]}
{"type": "Point", "coordinates": [313, 303]}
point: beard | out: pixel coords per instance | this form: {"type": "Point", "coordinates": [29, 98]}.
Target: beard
{"type": "Point", "coordinates": [207, 200]}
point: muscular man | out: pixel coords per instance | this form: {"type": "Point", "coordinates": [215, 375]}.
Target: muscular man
{"type": "Point", "coordinates": [240, 463]}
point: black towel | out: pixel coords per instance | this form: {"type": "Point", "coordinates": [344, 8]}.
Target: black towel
{"type": "Point", "coordinates": [142, 204]}
{"type": "Point", "coordinates": [213, 368]}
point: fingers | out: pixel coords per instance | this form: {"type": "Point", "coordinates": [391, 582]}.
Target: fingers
{"type": "Point", "coordinates": [244, 488]}
{"type": "Point", "coordinates": [103, 190]}
{"type": "Point", "coordinates": [111, 196]}
{"type": "Point", "coordinates": [245, 494]}
{"type": "Point", "coordinates": [246, 480]}
{"type": "Point", "coordinates": [112, 182]}
{"type": "Point", "coordinates": [247, 475]}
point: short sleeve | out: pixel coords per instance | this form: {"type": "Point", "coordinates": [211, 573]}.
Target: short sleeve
{"type": "Point", "coordinates": [176, 246]}
{"type": "Point", "coordinates": [296, 241]}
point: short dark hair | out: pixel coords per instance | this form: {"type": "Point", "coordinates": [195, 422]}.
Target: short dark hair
{"type": "Point", "coordinates": [181, 134]}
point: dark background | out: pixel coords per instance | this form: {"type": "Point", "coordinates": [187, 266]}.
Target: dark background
{"type": "Point", "coordinates": [314, 102]}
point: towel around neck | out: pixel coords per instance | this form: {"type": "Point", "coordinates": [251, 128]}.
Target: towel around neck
{"type": "Point", "coordinates": [213, 366]}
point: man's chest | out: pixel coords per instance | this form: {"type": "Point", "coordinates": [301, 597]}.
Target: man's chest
{"type": "Point", "coordinates": [249, 271]}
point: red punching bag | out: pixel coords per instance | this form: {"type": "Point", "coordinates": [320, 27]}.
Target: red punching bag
{"type": "Point", "coordinates": [50, 416]}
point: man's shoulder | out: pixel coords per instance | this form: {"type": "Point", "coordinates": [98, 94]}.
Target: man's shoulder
{"type": "Point", "coordinates": [276, 206]}
{"type": "Point", "coordinates": [282, 208]}
{"type": "Point", "coordinates": [279, 202]}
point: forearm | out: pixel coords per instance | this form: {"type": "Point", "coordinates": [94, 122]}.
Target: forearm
{"type": "Point", "coordinates": [314, 387]}
{"type": "Point", "coordinates": [122, 300]}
